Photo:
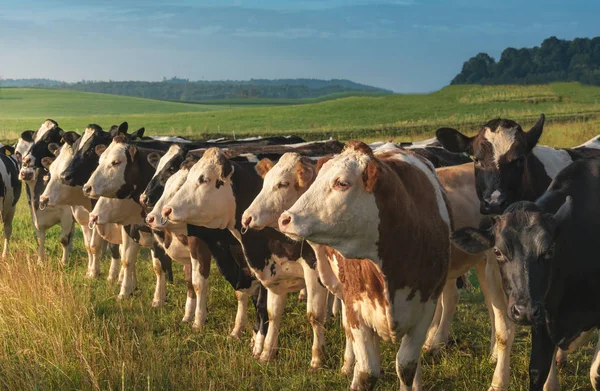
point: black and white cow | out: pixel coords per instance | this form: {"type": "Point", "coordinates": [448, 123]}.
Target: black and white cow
{"type": "Point", "coordinates": [48, 133]}
{"type": "Point", "coordinates": [547, 254]}
{"type": "Point", "coordinates": [510, 166]}
{"type": "Point", "coordinates": [10, 191]}
{"type": "Point", "coordinates": [57, 193]}
{"type": "Point", "coordinates": [44, 218]}
{"type": "Point", "coordinates": [213, 197]}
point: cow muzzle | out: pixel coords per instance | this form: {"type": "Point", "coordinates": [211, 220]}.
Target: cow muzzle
{"type": "Point", "coordinates": [287, 225]}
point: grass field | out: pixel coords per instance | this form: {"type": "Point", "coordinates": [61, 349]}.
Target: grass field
{"type": "Point", "coordinates": [61, 331]}
{"type": "Point", "coordinates": [399, 116]}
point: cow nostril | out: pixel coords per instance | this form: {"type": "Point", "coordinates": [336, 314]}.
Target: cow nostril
{"type": "Point", "coordinates": [247, 221]}
{"type": "Point", "coordinates": [517, 312]}
{"type": "Point", "coordinates": [167, 211]}
{"type": "Point", "coordinates": [285, 220]}
{"type": "Point", "coordinates": [150, 219]}
{"type": "Point", "coordinates": [87, 189]}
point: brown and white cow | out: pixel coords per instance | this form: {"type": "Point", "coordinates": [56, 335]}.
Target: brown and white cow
{"type": "Point", "coordinates": [286, 180]}
{"type": "Point", "coordinates": [391, 212]}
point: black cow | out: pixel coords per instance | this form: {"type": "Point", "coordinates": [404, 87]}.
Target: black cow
{"type": "Point", "coordinates": [547, 254]}
{"type": "Point", "coordinates": [509, 165]}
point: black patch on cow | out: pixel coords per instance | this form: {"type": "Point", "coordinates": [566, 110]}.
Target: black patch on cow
{"type": "Point", "coordinates": [114, 250]}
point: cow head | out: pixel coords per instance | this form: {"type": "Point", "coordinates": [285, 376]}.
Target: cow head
{"type": "Point", "coordinates": [114, 176]}
{"type": "Point", "coordinates": [56, 192]}
{"type": "Point", "coordinates": [283, 184]}
{"type": "Point", "coordinates": [154, 219]}
{"type": "Point", "coordinates": [339, 209]}
{"type": "Point", "coordinates": [206, 198]}
{"type": "Point", "coordinates": [23, 145]}
{"type": "Point", "coordinates": [166, 166]}
{"type": "Point", "coordinates": [500, 151]}
{"type": "Point", "coordinates": [48, 133]}
{"type": "Point", "coordinates": [523, 240]}
{"type": "Point", "coordinates": [87, 154]}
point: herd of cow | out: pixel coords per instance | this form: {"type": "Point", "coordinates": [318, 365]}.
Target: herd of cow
{"type": "Point", "coordinates": [388, 229]}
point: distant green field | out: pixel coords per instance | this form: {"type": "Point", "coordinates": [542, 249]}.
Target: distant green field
{"type": "Point", "coordinates": [353, 117]}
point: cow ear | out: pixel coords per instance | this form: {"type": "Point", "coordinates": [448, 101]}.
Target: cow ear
{"type": "Point", "coordinates": [8, 150]}
{"type": "Point", "coordinates": [100, 148]}
{"type": "Point", "coordinates": [226, 169]}
{"type": "Point", "coordinates": [54, 148]}
{"type": "Point", "coordinates": [321, 162]}
{"type": "Point", "coordinates": [132, 151]}
{"type": "Point", "coordinates": [473, 240]}
{"type": "Point", "coordinates": [305, 173]}
{"type": "Point", "coordinates": [153, 159]}
{"type": "Point", "coordinates": [137, 134]}
{"type": "Point", "coordinates": [370, 175]}
{"type": "Point", "coordinates": [47, 161]}
{"type": "Point", "coordinates": [123, 128]}
{"type": "Point", "coordinates": [453, 140]}
{"type": "Point", "coordinates": [27, 136]}
{"type": "Point", "coordinates": [263, 167]}
{"type": "Point", "coordinates": [70, 137]}
{"type": "Point", "coordinates": [535, 133]}
{"type": "Point", "coordinates": [564, 212]}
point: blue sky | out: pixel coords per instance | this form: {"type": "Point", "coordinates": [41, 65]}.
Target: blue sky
{"type": "Point", "coordinates": [403, 45]}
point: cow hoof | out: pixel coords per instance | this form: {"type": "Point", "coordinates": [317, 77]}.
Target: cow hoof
{"type": "Point", "coordinates": [197, 326]}
{"type": "Point", "coordinates": [158, 303]}
{"type": "Point", "coordinates": [265, 357]}
{"type": "Point", "coordinates": [434, 349]}
{"type": "Point", "coordinates": [346, 370]}
{"type": "Point", "coordinates": [561, 361]}
{"type": "Point", "coordinates": [187, 319]}
{"type": "Point", "coordinates": [236, 334]}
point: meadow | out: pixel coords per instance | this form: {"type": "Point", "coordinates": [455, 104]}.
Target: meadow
{"type": "Point", "coordinates": [59, 330]}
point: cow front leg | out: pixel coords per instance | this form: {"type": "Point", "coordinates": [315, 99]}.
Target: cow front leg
{"type": "Point", "coordinates": [200, 259]}
{"type": "Point", "coordinates": [8, 219]}
{"type": "Point", "coordinates": [262, 322]}
{"type": "Point", "coordinates": [160, 290]}
{"type": "Point", "coordinates": [368, 357]}
{"type": "Point", "coordinates": [275, 307]}
{"type": "Point", "coordinates": [96, 245]}
{"type": "Point", "coordinates": [241, 315]}
{"type": "Point", "coordinates": [66, 239]}
{"type": "Point", "coordinates": [115, 262]}
{"type": "Point", "coordinates": [541, 360]}
{"type": "Point", "coordinates": [130, 251]}
{"type": "Point", "coordinates": [316, 310]}
{"type": "Point", "coordinates": [505, 329]}
{"type": "Point", "coordinates": [41, 239]}
{"type": "Point", "coordinates": [408, 356]}
{"type": "Point", "coordinates": [480, 269]}
{"type": "Point", "coordinates": [190, 301]}
{"type": "Point", "coordinates": [349, 358]}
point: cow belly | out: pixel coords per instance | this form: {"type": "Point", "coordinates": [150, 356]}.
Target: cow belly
{"type": "Point", "coordinates": [110, 232]}
{"type": "Point", "coordinates": [281, 275]}
{"type": "Point", "coordinates": [47, 218]}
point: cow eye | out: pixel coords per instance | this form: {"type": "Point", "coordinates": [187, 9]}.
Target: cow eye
{"type": "Point", "coordinates": [203, 179]}
{"type": "Point", "coordinates": [341, 185]}
{"type": "Point", "coordinates": [46, 178]}
{"type": "Point", "coordinates": [283, 185]}
{"type": "Point", "coordinates": [115, 163]}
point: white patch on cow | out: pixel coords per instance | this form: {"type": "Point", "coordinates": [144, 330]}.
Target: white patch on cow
{"type": "Point", "coordinates": [43, 130]}
{"type": "Point", "coordinates": [250, 157]}
{"type": "Point", "coordinates": [250, 139]}
{"type": "Point", "coordinates": [308, 143]}
{"type": "Point", "coordinates": [173, 150]}
{"type": "Point", "coordinates": [593, 143]}
{"type": "Point", "coordinates": [281, 275]}
{"type": "Point", "coordinates": [554, 160]}
{"type": "Point", "coordinates": [428, 170]}
{"type": "Point", "coordinates": [386, 147]}
{"type": "Point", "coordinates": [501, 139]}
{"type": "Point", "coordinates": [175, 181]}
{"type": "Point", "coordinates": [424, 143]}
{"type": "Point", "coordinates": [22, 148]}
{"type": "Point", "coordinates": [169, 139]}
{"type": "Point", "coordinates": [89, 132]}
{"type": "Point", "coordinates": [495, 196]}
{"type": "Point", "coordinates": [376, 144]}
{"type": "Point", "coordinates": [117, 211]}
{"type": "Point", "coordinates": [374, 315]}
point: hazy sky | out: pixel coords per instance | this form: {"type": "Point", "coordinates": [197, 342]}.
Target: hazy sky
{"type": "Point", "coordinates": [403, 45]}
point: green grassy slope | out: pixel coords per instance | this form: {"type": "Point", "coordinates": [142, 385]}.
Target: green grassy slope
{"type": "Point", "coordinates": [392, 115]}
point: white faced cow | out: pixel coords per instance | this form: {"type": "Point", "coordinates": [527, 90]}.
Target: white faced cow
{"type": "Point", "coordinates": [389, 212]}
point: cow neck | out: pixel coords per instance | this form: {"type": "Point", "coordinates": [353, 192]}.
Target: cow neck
{"type": "Point", "coordinates": [534, 180]}
{"type": "Point", "coordinates": [409, 222]}
{"type": "Point", "coordinates": [142, 172]}
{"type": "Point", "coordinates": [246, 184]}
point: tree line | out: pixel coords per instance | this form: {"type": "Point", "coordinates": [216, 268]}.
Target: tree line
{"type": "Point", "coordinates": [555, 60]}
{"type": "Point", "coordinates": [177, 89]}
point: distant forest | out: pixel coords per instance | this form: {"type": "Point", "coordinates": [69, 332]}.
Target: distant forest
{"type": "Point", "coordinates": [176, 89]}
{"type": "Point", "coordinates": [555, 60]}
